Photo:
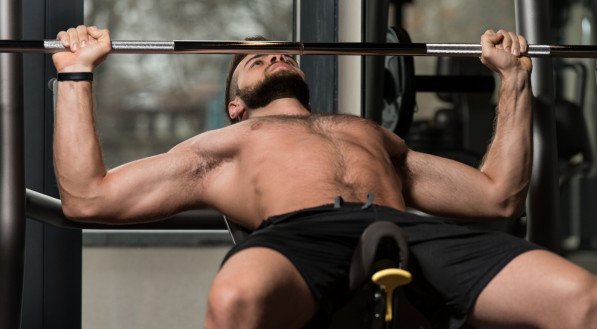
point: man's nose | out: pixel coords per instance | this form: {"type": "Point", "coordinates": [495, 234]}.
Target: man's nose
{"type": "Point", "coordinates": [277, 58]}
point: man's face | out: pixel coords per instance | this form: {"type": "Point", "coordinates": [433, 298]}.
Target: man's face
{"type": "Point", "coordinates": [262, 79]}
{"type": "Point", "coordinates": [255, 68]}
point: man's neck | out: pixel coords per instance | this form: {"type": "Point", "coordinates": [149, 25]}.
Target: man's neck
{"type": "Point", "coordinates": [282, 106]}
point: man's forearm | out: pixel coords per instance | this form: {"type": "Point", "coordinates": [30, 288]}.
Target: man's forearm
{"type": "Point", "coordinates": [509, 158]}
{"type": "Point", "coordinates": [77, 153]}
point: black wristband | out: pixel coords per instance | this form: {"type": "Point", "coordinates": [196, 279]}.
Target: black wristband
{"type": "Point", "coordinates": [75, 76]}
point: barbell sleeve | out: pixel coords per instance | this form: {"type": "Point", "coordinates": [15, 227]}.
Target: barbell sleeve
{"type": "Point", "coordinates": [298, 48]}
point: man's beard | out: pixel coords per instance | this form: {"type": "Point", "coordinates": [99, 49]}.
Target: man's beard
{"type": "Point", "coordinates": [273, 87]}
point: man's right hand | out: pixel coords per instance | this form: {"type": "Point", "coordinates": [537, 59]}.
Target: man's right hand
{"type": "Point", "coordinates": [88, 47]}
{"type": "Point", "coordinates": [502, 52]}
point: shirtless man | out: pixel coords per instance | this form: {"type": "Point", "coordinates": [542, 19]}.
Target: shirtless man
{"type": "Point", "coordinates": [281, 163]}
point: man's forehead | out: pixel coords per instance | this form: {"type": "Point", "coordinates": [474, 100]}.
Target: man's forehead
{"type": "Point", "coordinates": [249, 57]}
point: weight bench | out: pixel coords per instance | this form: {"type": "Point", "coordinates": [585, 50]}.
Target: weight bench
{"type": "Point", "coordinates": [377, 268]}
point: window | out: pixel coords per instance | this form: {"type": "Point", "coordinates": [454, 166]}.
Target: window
{"type": "Point", "coordinates": [145, 105]}
{"type": "Point", "coordinates": [148, 103]}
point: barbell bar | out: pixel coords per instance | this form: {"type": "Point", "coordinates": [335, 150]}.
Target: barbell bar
{"type": "Point", "coordinates": [298, 48]}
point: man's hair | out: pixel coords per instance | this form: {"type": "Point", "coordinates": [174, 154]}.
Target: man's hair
{"type": "Point", "coordinates": [231, 82]}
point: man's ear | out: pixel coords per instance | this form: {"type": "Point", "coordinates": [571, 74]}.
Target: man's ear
{"type": "Point", "coordinates": [236, 109]}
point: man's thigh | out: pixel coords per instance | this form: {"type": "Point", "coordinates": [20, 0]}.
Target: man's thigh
{"type": "Point", "coordinates": [269, 288]}
{"type": "Point", "coordinates": [536, 289]}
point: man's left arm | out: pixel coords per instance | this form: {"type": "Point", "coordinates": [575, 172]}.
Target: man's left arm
{"type": "Point", "coordinates": [498, 188]}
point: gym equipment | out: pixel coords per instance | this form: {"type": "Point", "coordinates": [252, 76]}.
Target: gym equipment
{"type": "Point", "coordinates": [401, 85]}
{"type": "Point", "coordinates": [48, 210]}
{"type": "Point", "coordinates": [381, 257]}
{"type": "Point", "coordinates": [297, 48]}
{"type": "Point", "coordinates": [399, 94]}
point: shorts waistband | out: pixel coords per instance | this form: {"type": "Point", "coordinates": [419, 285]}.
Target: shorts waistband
{"type": "Point", "coordinates": [338, 205]}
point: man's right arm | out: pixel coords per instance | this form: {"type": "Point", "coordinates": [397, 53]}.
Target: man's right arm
{"type": "Point", "coordinates": [142, 190]}
{"type": "Point", "coordinates": [498, 188]}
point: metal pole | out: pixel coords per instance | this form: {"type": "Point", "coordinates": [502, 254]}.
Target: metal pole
{"type": "Point", "coordinates": [299, 48]}
{"type": "Point", "coordinates": [532, 18]}
{"type": "Point", "coordinates": [376, 28]}
{"type": "Point", "coordinates": [12, 181]}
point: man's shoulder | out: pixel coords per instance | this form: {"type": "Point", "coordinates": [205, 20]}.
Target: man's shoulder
{"type": "Point", "coordinates": [349, 117]}
{"type": "Point", "coordinates": [355, 121]}
{"type": "Point", "coordinates": [214, 140]}
{"type": "Point", "coordinates": [327, 119]}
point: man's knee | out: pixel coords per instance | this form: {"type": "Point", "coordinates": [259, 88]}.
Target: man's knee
{"type": "Point", "coordinates": [588, 303]}
{"type": "Point", "coordinates": [539, 290]}
{"type": "Point", "coordinates": [581, 303]}
{"type": "Point", "coordinates": [231, 306]}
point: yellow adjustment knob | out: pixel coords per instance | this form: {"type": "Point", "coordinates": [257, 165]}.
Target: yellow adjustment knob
{"type": "Point", "coordinates": [390, 279]}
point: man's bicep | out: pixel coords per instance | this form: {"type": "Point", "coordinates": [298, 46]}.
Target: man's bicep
{"type": "Point", "coordinates": [446, 187]}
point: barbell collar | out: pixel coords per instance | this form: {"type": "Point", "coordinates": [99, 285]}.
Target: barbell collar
{"type": "Point", "coordinates": [298, 48]}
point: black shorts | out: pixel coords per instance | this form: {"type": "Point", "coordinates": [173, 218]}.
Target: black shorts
{"type": "Point", "coordinates": [451, 264]}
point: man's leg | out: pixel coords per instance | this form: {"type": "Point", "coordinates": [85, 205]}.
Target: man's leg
{"type": "Point", "coordinates": [259, 288]}
{"type": "Point", "coordinates": [538, 289]}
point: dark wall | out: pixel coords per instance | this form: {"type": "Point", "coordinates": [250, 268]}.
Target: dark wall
{"type": "Point", "coordinates": [52, 282]}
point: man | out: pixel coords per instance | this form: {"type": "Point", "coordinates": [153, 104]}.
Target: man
{"type": "Point", "coordinates": [279, 170]}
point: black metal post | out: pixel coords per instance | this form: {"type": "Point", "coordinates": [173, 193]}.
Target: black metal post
{"type": "Point", "coordinates": [532, 18]}
{"type": "Point", "coordinates": [375, 30]}
{"type": "Point", "coordinates": [318, 22]}
{"type": "Point", "coordinates": [12, 181]}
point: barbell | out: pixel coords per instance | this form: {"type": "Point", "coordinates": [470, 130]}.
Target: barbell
{"type": "Point", "coordinates": [298, 48]}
